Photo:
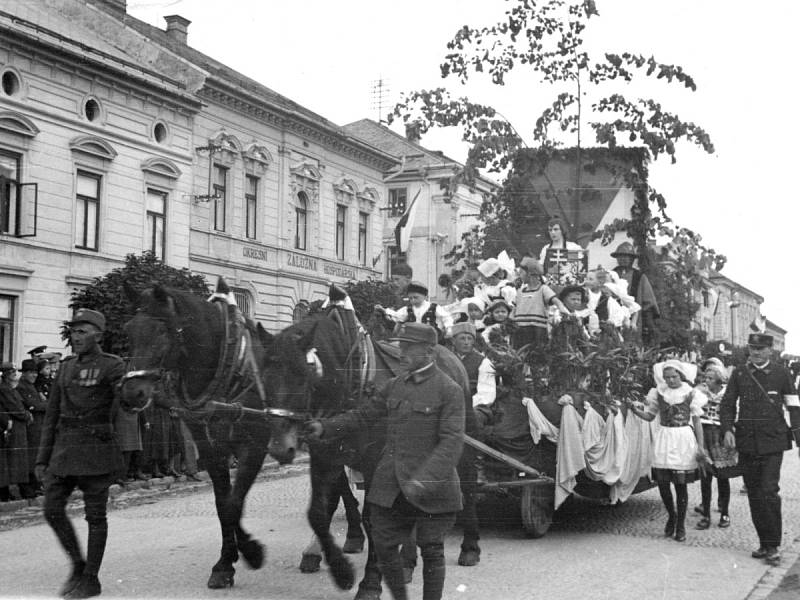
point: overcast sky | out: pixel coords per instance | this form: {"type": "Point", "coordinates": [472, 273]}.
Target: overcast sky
{"type": "Point", "coordinates": [325, 54]}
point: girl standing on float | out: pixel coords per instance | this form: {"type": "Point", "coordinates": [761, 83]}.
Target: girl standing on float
{"type": "Point", "coordinates": [678, 440]}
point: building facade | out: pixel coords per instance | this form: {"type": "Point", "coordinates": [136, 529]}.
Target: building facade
{"type": "Point", "coordinates": [439, 212]}
{"type": "Point", "coordinates": [117, 137]}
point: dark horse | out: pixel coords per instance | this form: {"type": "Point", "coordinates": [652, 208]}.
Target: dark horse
{"type": "Point", "coordinates": [217, 359]}
{"type": "Point", "coordinates": [350, 363]}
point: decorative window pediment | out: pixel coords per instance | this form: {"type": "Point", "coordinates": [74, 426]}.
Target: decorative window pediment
{"type": "Point", "coordinates": [307, 170]}
{"type": "Point", "coordinates": [226, 147]}
{"type": "Point", "coordinates": [257, 157]}
{"type": "Point", "coordinates": [345, 190]}
{"type": "Point", "coordinates": [305, 178]}
{"type": "Point", "coordinates": [369, 197]}
{"type": "Point", "coordinates": [15, 122]}
{"type": "Point", "coordinates": [161, 166]}
{"type": "Point", "coordinates": [94, 146]}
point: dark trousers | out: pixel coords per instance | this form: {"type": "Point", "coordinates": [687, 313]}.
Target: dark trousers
{"type": "Point", "coordinates": [723, 493]}
{"type": "Point", "coordinates": [95, 496]}
{"type": "Point", "coordinates": [761, 475]}
{"type": "Point", "coordinates": [391, 527]}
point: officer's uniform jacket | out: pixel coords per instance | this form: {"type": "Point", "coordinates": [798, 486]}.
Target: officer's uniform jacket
{"type": "Point", "coordinates": [424, 411]}
{"type": "Point", "coordinates": [760, 425]}
{"type": "Point", "coordinates": [78, 436]}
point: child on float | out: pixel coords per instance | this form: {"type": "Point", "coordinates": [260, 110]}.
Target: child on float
{"type": "Point", "coordinates": [498, 324]}
{"type": "Point", "coordinates": [420, 310]}
{"type": "Point", "coordinates": [533, 301]}
{"type": "Point", "coordinates": [494, 284]}
{"type": "Point", "coordinates": [723, 460]}
{"type": "Point", "coordinates": [678, 441]}
{"type": "Point", "coordinates": [476, 311]}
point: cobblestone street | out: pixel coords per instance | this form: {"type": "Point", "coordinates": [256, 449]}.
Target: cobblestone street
{"type": "Point", "coordinates": [164, 539]}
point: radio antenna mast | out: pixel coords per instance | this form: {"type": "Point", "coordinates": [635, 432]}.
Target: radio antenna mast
{"type": "Point", "coordinates": [379, 94]}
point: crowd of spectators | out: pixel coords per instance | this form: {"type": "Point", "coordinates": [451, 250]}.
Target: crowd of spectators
{"type": "Point", "coordinates": [154, 442]}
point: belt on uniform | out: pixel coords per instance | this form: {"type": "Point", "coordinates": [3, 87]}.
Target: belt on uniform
{"type": "Point", "coordinates": [677, 425]}
{"type": "Point", "coordinates": [102, 431]}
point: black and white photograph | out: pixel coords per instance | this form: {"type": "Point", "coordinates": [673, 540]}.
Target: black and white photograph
{"type": "Point", "coordinates": [360, 300]}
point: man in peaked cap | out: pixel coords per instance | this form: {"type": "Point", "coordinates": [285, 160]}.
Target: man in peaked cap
{"type": "Point", "coordinates": [761, 389]}
{"type": "Point", "coordinates": [639, 287]}
{"type": "Point", "coordinates": [415, 483]}
{"type": "Point", "coordinates": [79, 448]}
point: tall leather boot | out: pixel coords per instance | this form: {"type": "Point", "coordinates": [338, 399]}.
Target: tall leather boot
{"type": "Point", "coordinates": [433, 571]}
{"type": "Point", "coordinates": [69, 541]}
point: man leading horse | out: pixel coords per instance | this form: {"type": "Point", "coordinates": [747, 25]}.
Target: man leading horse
{"type": "Point", "coordinates": [415, 484]}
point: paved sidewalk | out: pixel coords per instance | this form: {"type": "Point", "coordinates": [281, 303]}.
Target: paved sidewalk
{"type": "Point", "coordinates": [19, 513]}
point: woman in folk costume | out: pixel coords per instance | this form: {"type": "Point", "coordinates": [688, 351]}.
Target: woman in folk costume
{"type": "Point", "coordinates": [678, 442]}
{"type": "Point", "coordinates": [722, 459]}
{"type": "Point", "coordinates": [557, 230]}
{"type": "Point", "coordinates": [495, 284]}
{"type": "Point", "coordinates": [420, 310]}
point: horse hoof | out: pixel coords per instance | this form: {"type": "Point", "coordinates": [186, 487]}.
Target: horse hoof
{"type": "Point", "coordinates": [367, 594]}
{"type": "Point", "coordinates": [469, 558]}
{"type": "Point", "coordinates": [220, 579]}
{"type": "Point", "coordinates": [310, 563]}
{"type": "Point", "coordinates": [253, 553]}
{"type": "Point", "coordinates": [408, 574]}
{"type": "Point", "coordinates": [342, 572]}
{"type": "Point", "coordinates": [353, 545]}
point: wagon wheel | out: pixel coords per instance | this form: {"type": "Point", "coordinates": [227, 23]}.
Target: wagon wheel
{"type": "Point", "coordinates": [536, 505]}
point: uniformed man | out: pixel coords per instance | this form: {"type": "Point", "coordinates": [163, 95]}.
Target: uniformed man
{"type": "Point", "coordinates": [762, 389]}
{"type": "Point", "coordinates": [415, 483]}
{"type": "Point", "coordinates": [78, 447]}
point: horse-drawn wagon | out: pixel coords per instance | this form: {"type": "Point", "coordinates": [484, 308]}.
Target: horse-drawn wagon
{"type": "Point", "coordinates": [522, 457]}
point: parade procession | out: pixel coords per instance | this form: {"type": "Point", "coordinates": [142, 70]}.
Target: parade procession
{"type": "Point", "coordinates": [248, 352]}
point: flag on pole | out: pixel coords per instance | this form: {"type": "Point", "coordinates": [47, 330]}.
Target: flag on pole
{"type": "Point", "coordinates": [402, 231]}
{"type": "Point", "coordinates": [759, 324]}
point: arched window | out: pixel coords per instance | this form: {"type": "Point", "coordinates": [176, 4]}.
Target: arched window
{"type": "Point", "coordinates": [301, 218]}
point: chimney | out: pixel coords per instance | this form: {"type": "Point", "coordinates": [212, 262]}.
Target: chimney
{"type": "Point", "coordinates": [413, 132]}
{"type": "Point", "coordinates": [177, 28]}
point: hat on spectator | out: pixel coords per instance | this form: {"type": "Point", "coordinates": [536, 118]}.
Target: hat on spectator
{"type": "Point", "coordinates": [489, 267]}
{"type": "Point", "coordinates": [759, 340]}
{"type": "Point", "coordinates": [531, 265]}
{"type": "Point", "coordinates": [416, 333]}
{"type": "Point", "coordinates": [402, 269]}
{"type": "Point", "coordinates": [87, 315]}
{"type": "Point", "coordinates": [418, 287]}
{"type": "Point", "coordinates": [36, 351]}
{"type": "Point", "coordinates": [7, 366]}
{"type": "Point", "coordinates": [28, 364]}
{"type": "Point", "coordinates": [465, 327]}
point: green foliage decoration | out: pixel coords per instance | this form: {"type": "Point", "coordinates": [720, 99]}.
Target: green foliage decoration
{"type": "Point", "coordinates": [106, 294]}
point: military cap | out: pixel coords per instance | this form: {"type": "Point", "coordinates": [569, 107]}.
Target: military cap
{"type": "Point", "coordinates": [465, 327]}
{"type": "Point", "coordinates": [87, 315]}
{"type": "Point", "coordinates": [759, 340]}
{"type": "Point", "coordinates": [418, 287]}
{"type": "Point", "coordinates": [416, 333]}
{"type": "Point", "coordinates": [36, 351]}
